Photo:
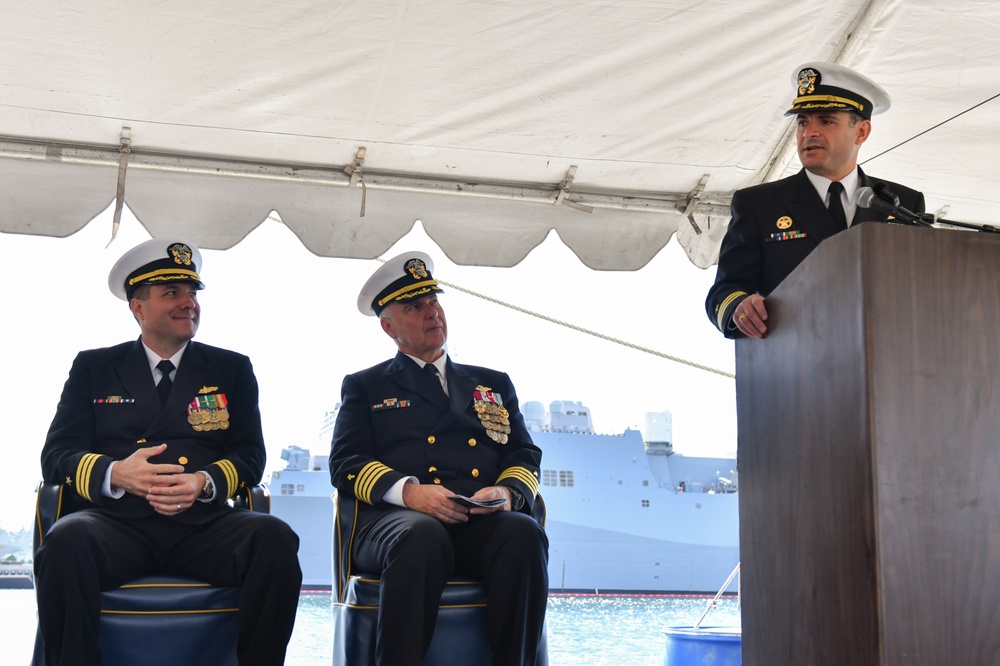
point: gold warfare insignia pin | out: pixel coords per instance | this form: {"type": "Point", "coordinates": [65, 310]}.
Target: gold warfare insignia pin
{"type": "Point", "coordinates": [208, 389]}
{"type": "Point", "coordinates": [808, 78]}
{"type": "Point", "coordinates": [784, 222]}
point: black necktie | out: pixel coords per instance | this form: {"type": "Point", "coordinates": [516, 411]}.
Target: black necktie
{"type": "Point", "coordinates": [837, 206]}
{"type": "Point", "coordinates": [163, 388]}
{"type": "Point", "coordinates": [432, 371]}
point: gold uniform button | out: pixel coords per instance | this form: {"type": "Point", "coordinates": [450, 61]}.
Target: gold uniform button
{"type": "Point", "coordinates": [472, 441]}
{"type": "Point", "coordinates": [183, 460]}
{"type": "Point", "coordinates": [475, 473]}
{"type": "Point", "coordinates": [437, 481]}
{"type": "Point", "coordinates": [432, 468]}
{"type": "Point", "coordinates": [431, 439]}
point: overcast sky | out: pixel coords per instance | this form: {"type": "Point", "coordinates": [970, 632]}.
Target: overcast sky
{"type": "Point", "coordinates": [294, 314]}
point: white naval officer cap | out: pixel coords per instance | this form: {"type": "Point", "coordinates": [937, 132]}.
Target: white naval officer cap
{"type": "Point", "coordinates": [156, 261]}
{"type": "Point", "coordinates": [822, 86]}
{"type": "Point", "coordinates": [402, 278]}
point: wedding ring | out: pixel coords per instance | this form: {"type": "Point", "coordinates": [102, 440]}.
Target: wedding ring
{"type": "Point", "coordinates": [178, 507]}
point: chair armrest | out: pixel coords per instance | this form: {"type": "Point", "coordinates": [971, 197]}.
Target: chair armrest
{"type": "Point", "coordinates": [48, 506]}
{"type": "Point", "coordinates": [48, 509]}
{"type": "Point", "coordinates": [538, 510]}
{"type": "Point", "coordinates": [345, 514]}
{"type": "Point", "coordinates": [256, 498]}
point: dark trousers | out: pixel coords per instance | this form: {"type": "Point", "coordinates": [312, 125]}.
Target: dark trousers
{"type": "Point", "coordinates": [417, 554]}
{"type": "Point", "coordinates": [93, 550]}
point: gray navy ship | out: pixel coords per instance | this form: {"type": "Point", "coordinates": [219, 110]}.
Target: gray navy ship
{"type": "Point", "coordinates": [625, 514]}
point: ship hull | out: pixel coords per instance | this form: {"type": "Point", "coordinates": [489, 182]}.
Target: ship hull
{"type": "Point", "coordinates": [621, 519]}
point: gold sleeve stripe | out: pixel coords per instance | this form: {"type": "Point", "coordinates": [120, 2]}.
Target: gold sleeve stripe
{"type": "Point", "coordinates": [84, 469]}
{"type": "Point", "coordinates": [522, 474]}
{"type": "Point", "coordinates": [367, 478]}
{"type": "Point", "coordinates": [232, 476]}
{"type": "Point", "coordinates": [721, 310]}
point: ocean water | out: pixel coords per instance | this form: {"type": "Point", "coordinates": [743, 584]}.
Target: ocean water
{"type": "Point", "coordinates": [584, 630]}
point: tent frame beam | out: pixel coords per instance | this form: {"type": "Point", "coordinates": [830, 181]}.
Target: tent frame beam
{"type": "Point", "coordinates": [708, 204]}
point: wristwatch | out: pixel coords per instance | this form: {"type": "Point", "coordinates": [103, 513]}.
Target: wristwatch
{"type": "Point", "coordinates": [209, 488]}
{"type": "Point", "coordinates": [516, 499]}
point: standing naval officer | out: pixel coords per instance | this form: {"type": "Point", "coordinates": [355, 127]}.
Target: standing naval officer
{"type": "Point", "coordinates": [415, 430]}
{"type": "Point", "coordinates": [775, 225]}
{"type": "Point", "coordinates": [150, 439]}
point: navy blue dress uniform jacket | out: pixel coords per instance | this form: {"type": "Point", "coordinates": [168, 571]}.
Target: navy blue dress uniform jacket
{"type": "Point", "coordinates": [774, 226]}
{"type": "Point", "coordinates": [109, 408]}
{"type": "Point", "coordinates": [394, 422]}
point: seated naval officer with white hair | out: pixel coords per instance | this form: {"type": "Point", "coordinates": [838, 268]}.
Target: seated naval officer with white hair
{"type": "Point", "coordinates": [411, 434]}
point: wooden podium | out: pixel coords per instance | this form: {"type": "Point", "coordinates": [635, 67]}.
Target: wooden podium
{"type": "Point", "coordinates": [869, 455]}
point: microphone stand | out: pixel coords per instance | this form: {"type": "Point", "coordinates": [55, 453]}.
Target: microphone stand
{"type": "Point", "coordinates": [929, 219]}
{"type": "Point", "coordinates": [888, 202]}
{"type": "Point", "coordinates": [913, 219]}
{"type": "Point", "coordinates": [985, 228]}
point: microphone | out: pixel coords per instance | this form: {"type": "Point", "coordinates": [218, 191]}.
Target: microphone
{"type": "Point", "coordinates": [882, 191]}
{"type": "Point", "coordinates": [867, 198]}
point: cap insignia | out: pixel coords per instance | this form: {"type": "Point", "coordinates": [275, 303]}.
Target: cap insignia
{"type": "Point", "coordinates": [180, 253]}
{"type": "Point", "coordinates": [416, 268]}
{"type": "Point", "coordinates": [807, 81]}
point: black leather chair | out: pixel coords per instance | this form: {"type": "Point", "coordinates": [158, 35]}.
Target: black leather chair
{"type": "Point", "coordinates": [160, 620]}
{"type": "Point", "coordinates": [460, 637]}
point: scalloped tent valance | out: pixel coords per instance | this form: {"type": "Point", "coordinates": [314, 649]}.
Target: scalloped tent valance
{"type": "Point", "coordinates": [618, 125]}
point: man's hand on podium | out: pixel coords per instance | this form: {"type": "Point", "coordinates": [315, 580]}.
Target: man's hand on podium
{"type": "Point", "coordinates": [750, 316]}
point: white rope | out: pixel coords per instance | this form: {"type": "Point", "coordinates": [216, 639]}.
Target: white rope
{"type": "Point", "coordinates": [579, 329]}
{"type": "Point", "coordinates": [587, 331]}
{"type": "Point", "coordinates": [714, 603]}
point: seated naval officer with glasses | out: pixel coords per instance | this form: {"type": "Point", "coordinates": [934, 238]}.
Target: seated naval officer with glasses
{"type": "Point", "coordinates": [411, 433]}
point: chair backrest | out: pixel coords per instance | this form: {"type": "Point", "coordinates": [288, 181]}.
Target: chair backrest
{"type": "Point", "coordinates": [345, 518]}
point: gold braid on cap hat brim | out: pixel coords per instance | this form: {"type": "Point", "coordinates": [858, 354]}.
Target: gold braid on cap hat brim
{"type": "Point", "coordinates": [165, 275]}
{"type": "Point", "coordinates": [405, 291]}
{"type": "Point", "coordinates": [808, 101]}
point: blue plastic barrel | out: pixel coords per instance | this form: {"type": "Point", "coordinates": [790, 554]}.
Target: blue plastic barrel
{"type": "Point", "coordinates": [704, 646]}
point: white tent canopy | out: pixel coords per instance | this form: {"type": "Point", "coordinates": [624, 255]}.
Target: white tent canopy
{"type": "Point", "coordinates": [617, 124]}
